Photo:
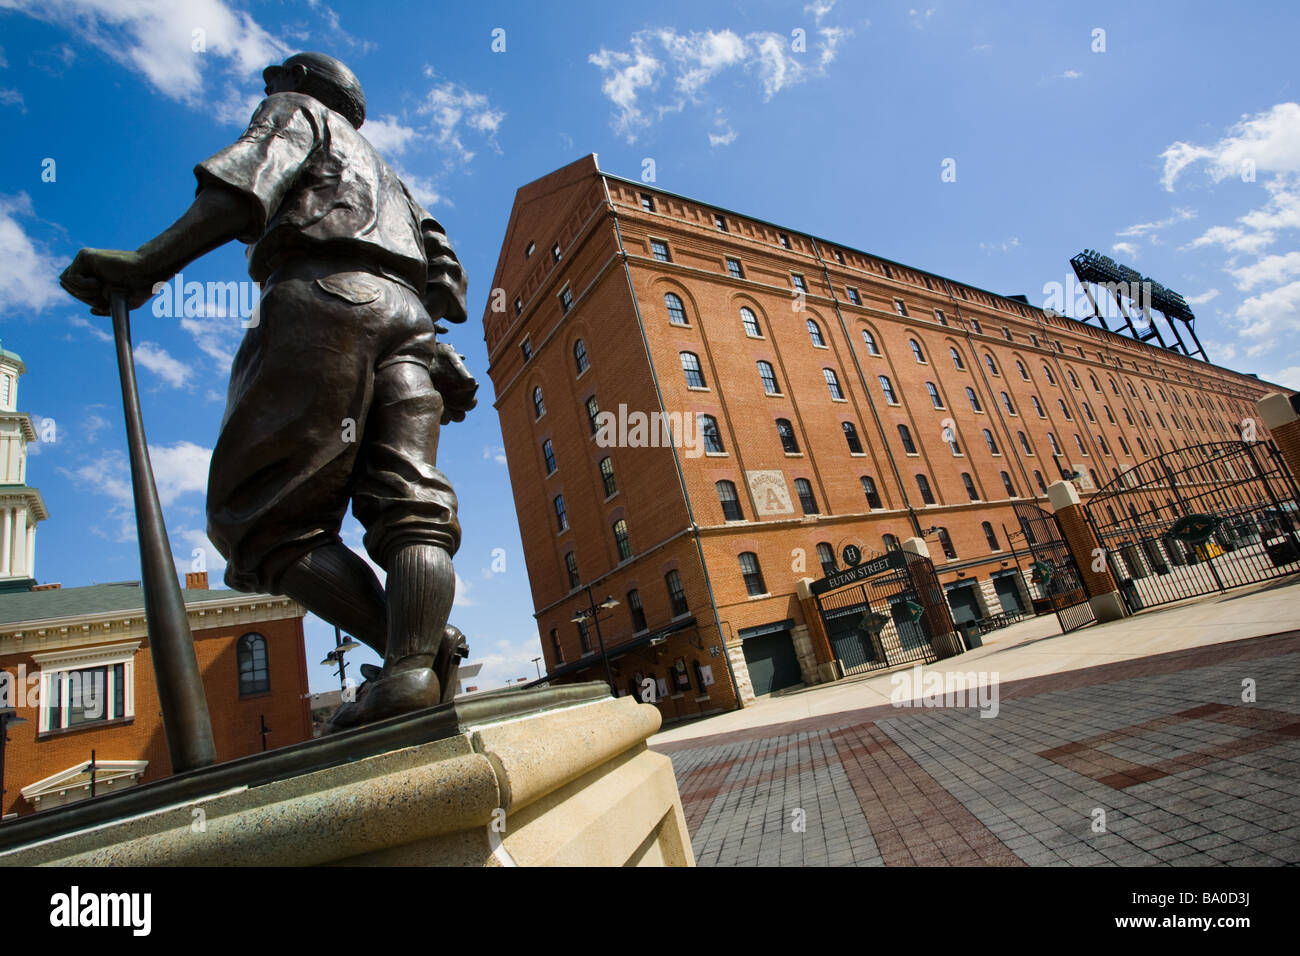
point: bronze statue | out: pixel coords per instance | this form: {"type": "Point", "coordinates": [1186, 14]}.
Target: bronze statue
{"type": "Point", "coordinates": [337, 393]}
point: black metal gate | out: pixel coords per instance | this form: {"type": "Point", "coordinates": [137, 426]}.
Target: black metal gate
{"type": "Point", "coordinates": [1197, 520]}
{"type": "Point", "coordinates": [1055, 577]}
{"type": "Point", "coordinates": [891, 617]}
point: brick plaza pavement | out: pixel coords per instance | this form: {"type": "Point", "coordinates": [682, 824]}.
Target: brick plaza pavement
{"type": "Point", "coordinates": [1185, 772]}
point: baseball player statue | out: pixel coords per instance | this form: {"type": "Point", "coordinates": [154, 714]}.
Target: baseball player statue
{"type": "Point", "coordinates": [338, 390]}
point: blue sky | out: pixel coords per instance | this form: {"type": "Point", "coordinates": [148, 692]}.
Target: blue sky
{"type": "Point", "coordinates": [1171, 141]}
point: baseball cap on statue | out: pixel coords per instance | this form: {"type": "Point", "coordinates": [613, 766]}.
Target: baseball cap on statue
{"type": "Point", "coordinates": [329, 81]}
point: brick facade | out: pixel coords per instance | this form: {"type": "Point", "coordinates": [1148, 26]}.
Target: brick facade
{"type": "Point", "coordinates": [1124, 400]}
{"type": "Point", "coordinates": [32, 755]}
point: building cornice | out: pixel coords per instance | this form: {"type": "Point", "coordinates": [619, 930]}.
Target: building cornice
{"type": "Point", "coordinates": [54, 634]}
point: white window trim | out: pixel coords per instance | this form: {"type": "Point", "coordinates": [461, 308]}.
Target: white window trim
{"type": "Point", "coordinates": [61, 663]}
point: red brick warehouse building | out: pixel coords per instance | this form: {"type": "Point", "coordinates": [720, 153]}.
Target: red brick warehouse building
{"type": "Point", "coordinates": [848, 400]}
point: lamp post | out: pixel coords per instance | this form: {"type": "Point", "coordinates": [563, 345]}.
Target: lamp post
{"type": "Point", "coordinates": [7, 717]}
{"type": "Point", "coordinates": [590, 612]}
{"type": "Point", "coordinates": [335, 656]}
{"type": "Point", "coordinates": [538, 666]}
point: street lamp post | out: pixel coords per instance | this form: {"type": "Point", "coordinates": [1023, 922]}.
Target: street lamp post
{"type": "Point", "coordinates": [538, 666]}
{"type": "Point", "coordinates": [7, 717]}
{"type": "Point", "coordinates": [591, 612]}
{"type": "Point", "coordinates": [336, 656]}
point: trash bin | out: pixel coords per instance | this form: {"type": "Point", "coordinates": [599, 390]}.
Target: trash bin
{"type": "Point", "coordinates": [1128, 589]}
{"type": "Point", "coordinates": [970, 635]}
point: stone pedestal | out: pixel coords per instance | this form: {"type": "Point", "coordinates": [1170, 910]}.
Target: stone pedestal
{"type": "Point", "coordinates": [559, 776]}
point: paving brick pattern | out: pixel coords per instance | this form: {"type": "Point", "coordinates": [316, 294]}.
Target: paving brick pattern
{"type": "Point", "coordinates": [1147, 763]}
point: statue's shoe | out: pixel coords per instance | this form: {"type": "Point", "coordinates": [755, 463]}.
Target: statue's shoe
{"type": "Point", "coordinates": [388, 695]}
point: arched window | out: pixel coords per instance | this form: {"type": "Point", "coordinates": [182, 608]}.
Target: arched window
{"type": "Point", "coordinates": [1056, 449]}
{"type": "Point", "coordinates": [890, 541]}
{"type": "Point", "coordinates": [923, 485]}
{"type": "Point", "coordinates": [990, 536]}
{"type": "Point", "coordinates": [539, 406]}
{"type": "Point", "coordinates": [254, 672]}
{"type": "Point", "coordinates": [561, 516]}
{"type": "Point", "coordinates": [969, 482]}
{"type": "Point", "coordinates": [945, 542]}
{"type": "Point", "coordinates": [691, 368]}
{"type": "Point", "coordinates": [1051, 379]}
{"type": "Point", "coordinates": [1074, 381]}
{"type": "Point", "coordinates": [933, 389]}
{"type": "Point", "coordinates": [803, 488]}
{"type": "Point", "coordinates": [1038, 406]}
{"type": "Point", "coordinates": [974, 399]}
{"type": "Point", "coordinates": [832, 383]}
{"type": "Point", "coordinates": [676, 593]}
{"type": "Point", "coordinates": [1064, 411]}
{"type": "Point", "coordinates": [788, 440]}
{"type": "Point", "coordinates": [750, 322]}
{"type": "Point", "coordinates": [869, 489]}
{"type": "Point", "coordinates": [887, 387]}
{"type": "Point", "coordinates": [593, 412]}
{"type": "Point", "coordinates": [752, 574]}
{"type": "Point", "coordinates": [1024, 444]}
{"type": "Point", "coordinates": [676, 310]}
{"type": "Point", "coordinates": [988, 440]}
{"type": "Point", "coordinates": [905, 436]}
{"type": "Point", "coordinates": [607, 476]}
{"type": "Point", "coordinates": [548, 455]}
{"type": "Point", "coordinates": [621, 541]}
{"type": "Point", "coordinates": [826, 555]}
{"type": "Point", "coordinates": [916, 351]}
{"type": "Point", "coordinates": [1079, 441]}
{"type": "Point", "coordinates": [1020, 367]}
{"type": "Point", "coordinates": [815, 333]}
{"type": "Point", "coordinates": [1006, 403]}
{"type": "Point", "coordinates": [988, 360]}
{"type": "Point", "coordinates": [1087, 410]}
{"type": "Point", "coordinates": [730, 502]}
{"type": "Point", "coordinates": [580, 356]}
{"type": "Point", "coordinates": [1006, 483]}
{"type": "Point", "coordinates": [571, 565]}
{"type": "Point", "coordinates": [870, 341]}
{"type": "Point", "coordinates": [956, 359]}
{"type": "Point", "coordinates": [768, 375]}
{"type": "Point", "coordinates": [712, 437]}
{"type": "Point", "coordinates": [851, 437]}
{"type": "Point", "coordinates": [1038, 477]}
{"type": "Point", "coordinates": [1110, 416]}
{"type": "Point", "coordinates": [1096, 386]}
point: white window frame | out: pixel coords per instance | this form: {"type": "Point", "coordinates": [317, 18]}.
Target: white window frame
{"type": "Point", "coordinates": [59, 664]}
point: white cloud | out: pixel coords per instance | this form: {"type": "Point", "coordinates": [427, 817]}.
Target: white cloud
{"type": "Point", "coordinates": [387, 135]}
{"type": "Point", "coordinates": [1269, 269]}
{"type": "Point", "coordinates": [1126, 249]}
{"type": "Point", "coordinates": [1150, 229]}
{"type": "Point", "coordinates": [1069, 75]}
{"type": "Point", "coordinates": [157, 360]}
{"type": "Point", "coordinates": [691, 61]}
{"type": "Point", "coordinates": [217, 337]}
{"type": "Point", "coordinates": [1272, 315]}
{"type": "Point", "coordinates": [494, 453]}
{"type": "Point", "coordinates": [1203, 298]}
{"type": "Point", "coordinates": [918, 18]}
{"type": "Point", "coordinates": [453, 109]}
{"type": "Point", "coordinates": [179, 469]}
{"type": "Point", "coordinates": [1265, 142]}
{"type": "Point", "coordinates": [95, 330]}
{"type": "Point", "coordinates": [819, 9]}
{"type": "Point", "coordinates": [28, 274]}
{"type": "Point", "coordinates": [10, 97]}
{"type": "Point", "coordinates": [1005, 245]}
{"type": "Point", "coordinates": [156, 38]}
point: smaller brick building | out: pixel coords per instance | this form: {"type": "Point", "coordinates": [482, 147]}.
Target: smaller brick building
{"type": "Point", "coordinates": [75, 664]}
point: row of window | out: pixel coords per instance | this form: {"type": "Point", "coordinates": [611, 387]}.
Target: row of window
{"type": "Point", "coordinates": [676, 599]}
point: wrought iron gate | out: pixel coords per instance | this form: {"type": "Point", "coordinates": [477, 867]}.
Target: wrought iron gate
{"type": "Point", "coordinates": [1197, 520]}
{"type": "Point", "coordinates": [1054, 574]}
{"type": "Point", "coordinates": [891, 617]}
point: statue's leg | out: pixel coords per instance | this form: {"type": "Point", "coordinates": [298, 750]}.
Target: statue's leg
{"type": "Point", "coordinates": [338, 586]}
{"type": "Point", "coordinates": [409, 511]}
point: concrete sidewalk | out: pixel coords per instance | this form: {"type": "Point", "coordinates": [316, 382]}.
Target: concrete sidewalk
{"type": "Point", "coordinates": [1035, 648]}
